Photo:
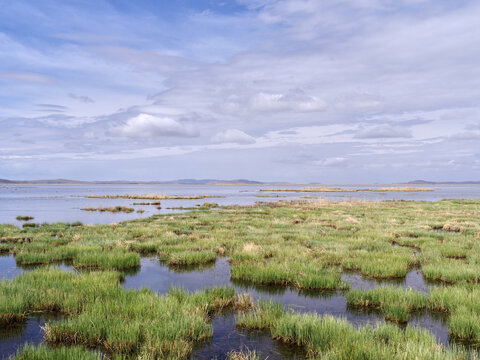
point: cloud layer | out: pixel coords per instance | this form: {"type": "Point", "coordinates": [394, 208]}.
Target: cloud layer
{"type": "Point", "coordinates": [297, 90]}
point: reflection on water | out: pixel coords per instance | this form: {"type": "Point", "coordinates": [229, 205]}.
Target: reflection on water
{"type": "Point", "coordinates": [227, 337]}
{"type": "Point", "coordinates": [9, 268]}
{"type": "Point", "coordinates": [436, 323]}
{"type": "Point", "coordinates": [160, 277]}
{"type": "Point", "coordinates": [414, 280]}
{"type": "Point", "coordinates": [13, 338]}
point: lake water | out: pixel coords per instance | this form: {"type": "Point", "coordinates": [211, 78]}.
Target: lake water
{"type": "Point", "coordinates": [62, 203]}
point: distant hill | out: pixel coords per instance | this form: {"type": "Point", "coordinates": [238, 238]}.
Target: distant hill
{"type": "Point", "coordinates": [211, 181]}
{"type": "Point", "coordinates": [425, 182]}
{"type": "Point", "coordinates": [180, 182]}
{"type": "Point", "coordinates": [43, 182]}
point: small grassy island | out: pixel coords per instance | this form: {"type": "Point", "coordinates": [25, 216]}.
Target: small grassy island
{"type": "Point", "coordinates": [330, 189]}
{"type": "Point", "coordinates": [24, 218]}
{"type": "Point", "coordinates": [114, 209]}
{"type": "Point", "coordinates": [298, 245]}
{"type": "Point", "coordinates": [152, 197]}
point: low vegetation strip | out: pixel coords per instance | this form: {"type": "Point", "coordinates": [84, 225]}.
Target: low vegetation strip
{"type": "Point", "coordinates": [114, 209]}
{"type": "Point", "coordinates": [302, 276]}
{"type": "Point", "coordinates": [151, 197]}
{"type": "Point", "coordinates": [24, 218]}
{"type": "Point", "coordinates": [330, 189]}
{"type": "Point", "coordinates": [313, 189]}
{"type": "Point", "coordinates": [400, 188]}
{"type": "Point", "coordinates": [43, 352]}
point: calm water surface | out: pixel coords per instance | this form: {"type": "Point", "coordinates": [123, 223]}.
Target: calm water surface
{"type": "Point", "coordinates": [62, 203]}
{"type": "Point", "coordinates": [13, 338]}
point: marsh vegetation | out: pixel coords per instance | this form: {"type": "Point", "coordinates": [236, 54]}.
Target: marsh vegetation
{"type": "Point", "coordinates": [152, 197]}
{"type": "Point", "coordinates": [112, 209]}
{"type": "Point", "coordinates": [330, 189]}
{"type": "Point", "coordinates": [299, 245]}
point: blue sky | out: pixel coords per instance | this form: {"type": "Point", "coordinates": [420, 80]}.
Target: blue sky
{"type": "Point", "coordinates": [330, 91]}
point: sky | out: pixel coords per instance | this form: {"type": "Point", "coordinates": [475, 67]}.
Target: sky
{"type": "Point", "coordinates": [329, 91]}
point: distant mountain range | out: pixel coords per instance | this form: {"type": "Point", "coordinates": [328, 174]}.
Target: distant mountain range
{"type": "Point", "coordinates": [179, 181]}
{"type": "Point", "coordinates": [425, 182]}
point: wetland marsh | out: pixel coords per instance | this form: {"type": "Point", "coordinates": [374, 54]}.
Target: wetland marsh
{"type": "Point", "coordinates": [286, 279]}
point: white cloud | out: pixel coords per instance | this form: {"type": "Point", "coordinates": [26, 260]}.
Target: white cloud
{"type": "Point", "coordinates": [333, 162]}
{"type": "Point", "coordinates": [149, 126]}
{"type": "Point", "coordinates": [233, 136]}
{"type": "Point", "coordinates": [293, 100]}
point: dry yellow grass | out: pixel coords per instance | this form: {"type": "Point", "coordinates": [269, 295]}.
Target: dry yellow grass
{"type": "Point", "coordinates": [330, 189]}
{"type": "Point", "coordinates": [399, 188]}
{"type": "Point", "coordinates": [251, 247]}
{"type": "Point", "coordinates": [314, 189]}
{"type": "Point", "coordinates": [151, 197]}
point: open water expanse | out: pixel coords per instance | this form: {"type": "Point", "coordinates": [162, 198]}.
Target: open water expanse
{"type": "Point", "coordinates": [63, 203]}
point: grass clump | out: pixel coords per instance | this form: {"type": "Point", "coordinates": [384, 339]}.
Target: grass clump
{"type": "Point", "coordinates": [370, 264]}
{"type": "Point", "coordinates": [5, 248]}
{"type": "Point", "coordinates": [464, 324]}
{"type": "Point", "coordinates": [302, 276]}
{"type": "Point", "coordinates": [42, 352]}
{"type": "Point", "coordinates": [262, 317]}
{"type": "Point", "coordinates": [148, 247]}
{"type": "Point", "coordinates": [38, 258]}
{"type": "Point", "coordinates": [107, 260]}
{"type": "Point", "coordinates": [396, 303]}
{"type": "Point", "coordinates": [452, 271]}
{"type": "Point", "coordinates": [12, 306]}
{"type": "Point", "coordinates": [141, 322]}
{"type": "Point", "coordinates": [184, 258]}
{"type": "Point", "coordinates": [243, 355]}
{"type": "Point", "coordinates": [461, 303]}
{"type": "Point", "coordinates": [51, 289]}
